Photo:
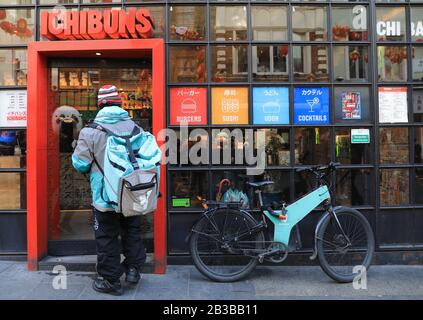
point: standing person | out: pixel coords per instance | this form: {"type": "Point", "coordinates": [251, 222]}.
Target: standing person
{"type": "Point", "coordinates": [108, 224]}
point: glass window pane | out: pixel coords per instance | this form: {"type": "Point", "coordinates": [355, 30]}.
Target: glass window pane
{"type": "Point", "coordinates": [277, 147]}
{"type": "Point", "coordinates": [228, 23]}
{"type": "Point", "coordinates": [394, 187]}
{"type": "Point", "coordinates": [13, 67]}
{"type": "Point", "coordinates": [269, 23]}
{"type": "Point", "coordinates": [17, 26]}
{"type": "Point", "coordinates": [12, 148]}
{"type": "Point", "coordinates": [392, 63]}
{"type": "Point", "coordinates": [187, 23]}
{"type": "Point", "coordinates": [418, 186]}
{"type": "Point", "coordinates": [229, 63]}
{"type": "Point", "coordinates": [352, 105]}
{"type": "Point", "coordinates": [270, 63]}
{"type": "Point", "coordinates": [418, 104]}
{"type": "Point", "coordinates": [390, 23]}
{"type": "Point", "coordinates": [187, 189]}
{"type": "Point", "coordinates": [187, 63]}
{"type": "Point", "coordinates": [310, 63]}
{"type": "Point", "coordinates": [417, 23]}
{"type": "Point", "coordinates": [312, 146]}
{"type": "Point", "coordinates": [349, 23]}
{"type": "Point", "coordinates": [192, 147]}
{"type": "Point", "coordinates": [19, 2]}
{"type": "Point", "coordinates": [228, 146]}
{"type": "Point", "coordinates": [309, 23]}
{"type": "Point", "coordinates": [418, 145]}
{"type": "Point", "coordinates": [417, 66]}
{"type": "Point", "coordinates": [350, 63]}
{"type": "Point", "coordinates": [12, 191]}
{"type": "Point", "coordinates": [101, 1]}
{"type": "Point", "coordinates": [351, 153]}
{"type": "Point", "coordinates": [277, 192]}
{"type": "Point", "coordinates": [354, 187]}
{"type": "Point", "coordinates": [393, 145]}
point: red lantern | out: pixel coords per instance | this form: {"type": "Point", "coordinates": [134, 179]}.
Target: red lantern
{"type": "Point", "coordinates": [6, 26]}
{"type": "Point", "coordinates": [354, 55]}
{"type": "Point", "coordinates": [21, 25]}
{"type": "Point", "coordinates": [283, 51]}
{"type": "Point", "coordinates": [2, 14]}
{"type": "Point", "coordinates": [403, 53]}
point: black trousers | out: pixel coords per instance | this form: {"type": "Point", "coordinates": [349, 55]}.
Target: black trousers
{"type": "Point", "coordinates": [107, 228]}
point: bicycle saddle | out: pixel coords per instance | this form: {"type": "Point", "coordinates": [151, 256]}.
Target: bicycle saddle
{"type": "Point", "coordinates": [260, 184]}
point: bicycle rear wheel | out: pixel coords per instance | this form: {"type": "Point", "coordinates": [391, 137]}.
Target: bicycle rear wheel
{"type": "Point", "coordinates": [337, 257]}
{"type": "Point", "coordinates": [222, 248]}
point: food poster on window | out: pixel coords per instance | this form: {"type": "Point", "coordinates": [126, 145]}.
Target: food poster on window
{"type": "Point", "coordinates": [351, 105]}
{"type": "Point", "coordinates": [393, 104]}
{"type": "Point", "coordinates": [270, 105]}
{"type": "Point", "coordinates": [311, 106]}
{"type": "Point", "coordinates": [230, 105]}
{"type": "Point", "coordinates": [188, 106]}
{"type": "Point", "coordinates": [13, 112]}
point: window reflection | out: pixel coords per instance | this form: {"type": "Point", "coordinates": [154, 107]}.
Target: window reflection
{"type": "Point", "coordinates": [354, 187]}
{"type": "Point", "coordinates": [390, 23]}
{"type": "Point", "coordinates": [17, 26]}
{"type": "Point", "coordinates": [228, 23]}
{"type": "Point", "coordinates": [417, 63]}
{"type": "Point", "coordinates": [13, 67]}
{"type": "Point", "coordinates": [269, 23]}
{"type": "Point", "coordinates": [309, 23]}
{"type": "Point", "coordinates": [312, 146]}
{"type": "Point", "coordinates": [187, 63]}
{"type": "Point", "coordinates": [12, 148]}
{"type": "Point", "coordinates": [394, 187]}
{"type": "Point", "coordinates": [187, 23]}
{"type": "Point", "coordinates": [310, 63]}
{"type": "Point", "coordinates": [349, 23]}
{"type": "Point", "coordinates": [392, 63]}
{"type": "Point", "coordinates": [393, 144]}
{"type": "Point", "coordinates": [350, 62]}
{"type": "Point", "coordinates": [188, 189]}
{"type": "Point", "coordinates": [350, 153]}
{"type": "Point", "coordinates": [229, 63]}
{"type": "Point", "coordinates": [270, 63]}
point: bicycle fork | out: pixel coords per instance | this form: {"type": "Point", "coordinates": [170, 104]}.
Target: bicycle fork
{"type": "Point", "coordinates": [330, 213]}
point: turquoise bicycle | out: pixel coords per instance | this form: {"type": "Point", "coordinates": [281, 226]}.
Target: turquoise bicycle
{"type": "Point", "coordinates": [227, 242]}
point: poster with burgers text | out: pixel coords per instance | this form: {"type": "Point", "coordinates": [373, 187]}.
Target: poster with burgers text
{"type": "Point", "coordinates": [188, 106]}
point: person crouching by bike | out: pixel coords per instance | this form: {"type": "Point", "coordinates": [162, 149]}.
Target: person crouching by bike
{"type": "Point", "coordinates": [108, 224]}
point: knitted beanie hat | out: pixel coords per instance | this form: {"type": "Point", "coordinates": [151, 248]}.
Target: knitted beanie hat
{"type": "Point", "coordinates": [108, 96]}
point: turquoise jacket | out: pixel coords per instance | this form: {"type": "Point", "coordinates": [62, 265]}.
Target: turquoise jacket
{"type": "Point", "coordinates": [92, 142]}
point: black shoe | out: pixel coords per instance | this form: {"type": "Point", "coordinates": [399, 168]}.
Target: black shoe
{"type": "Point", "coordinates": [132, 275]}
{"type": "Point", "coordinates": [105, 286]}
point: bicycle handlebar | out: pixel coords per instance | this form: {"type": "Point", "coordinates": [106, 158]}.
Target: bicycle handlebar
{"type": "Point", "coordinates": [317, 169]}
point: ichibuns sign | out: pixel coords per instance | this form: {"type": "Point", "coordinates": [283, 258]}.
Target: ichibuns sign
{"type": "Point", "coordinates": [63, 24]}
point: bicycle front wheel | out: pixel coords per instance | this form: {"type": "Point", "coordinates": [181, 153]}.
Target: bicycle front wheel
{"type": "Point", "coordinates": [222, 247]}
{"type": "Point", "coordinates": [340, 253]}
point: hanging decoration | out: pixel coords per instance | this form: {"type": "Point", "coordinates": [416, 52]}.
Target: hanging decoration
{"type": "Point", "coordinates": [200, 69]}
{"type": "Point", "coordinates": [19, 29]}
{"type": "Point", "coordinates": [283, 51]}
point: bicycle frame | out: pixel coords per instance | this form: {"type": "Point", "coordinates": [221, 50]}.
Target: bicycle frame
{"type": "Point", "coordinates": [295, 212]}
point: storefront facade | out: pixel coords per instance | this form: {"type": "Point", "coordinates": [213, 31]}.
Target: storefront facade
{"type": "Point", "coordinates": [323, 80]}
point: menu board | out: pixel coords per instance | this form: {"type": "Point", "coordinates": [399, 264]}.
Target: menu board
{"type": "Point", "coordinates": [311, 106]}
{"type": "Point", "coordinates": [13, 112]}
{"type": "Point", "coordinates": [393, 104]}
{"type": "Point", "coordinates": [188, 105]}
{"type": "Point", "coordinates": [230, 105]}
{"type": "Point", "coordinates": [271, 105]}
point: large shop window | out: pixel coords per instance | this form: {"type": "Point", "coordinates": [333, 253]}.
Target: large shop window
{"type": "Point", "coordinates": [277, 147]}
{"type": "Point", "coordinates": [270, 23]}
{"type": "Point", "coordinates": [12, 148]}
{"type": "Point", "coordinates": [309, 23]}
{"type": "Point", "coordinates": [228, 23]}
{"type": "Point", "coordinates": [354, 187]}
{"type": "Point", "coordinates": [187, 64]}
{"type": "Point", "coordinates": [416, 23]}
{"type": "Point", "coordinates": [187, 23]}
{"type": "Point", "coordinates": [17, 26]}
{"type": "Point", "coordinates": [393, 146]}
{"type": "Point", "coordinates": [192, 147]}
{"type": "Point", "coordinates": [417, 63]}
{"type": "Point", "coordinates": [418, 145]}
{"type": "Point", "coordinates": [349, 151]}
{"type": "Point", "coordinates": [392, 63]}
{"type": "Point", "coordinates": [270, 63]}
{"type": "Point", "coordinates": [229, 63]}
{"type": "Point", "coordinates": [13, 67]}
{"type": "Point", "coordinates": [418, 104]}
{"type": "Point", "coordinates": [312, 145]}
{"type": "Point", "coordinates": [349, 23]}
{"type": "Point", "coordinates": [350, 63]}
{"type": "Point", "coordinates": [394, 187]}
{"type": "Point", "coordinates": [310, 63]}
{"type": "Point", "coordinates": [390, 23]}
{"type": "Point", "coordinates": [187, 189]}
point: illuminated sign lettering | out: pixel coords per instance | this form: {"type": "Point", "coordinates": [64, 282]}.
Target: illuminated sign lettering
{"type": "Point", "coordinates": [94, 24]}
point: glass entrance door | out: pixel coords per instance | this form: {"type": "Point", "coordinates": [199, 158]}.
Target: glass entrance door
{"type": "Point", "coordinates": [72, 103]}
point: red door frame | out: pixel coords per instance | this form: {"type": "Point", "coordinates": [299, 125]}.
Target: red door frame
{"type": "Point", "coordinates": [38, 119]}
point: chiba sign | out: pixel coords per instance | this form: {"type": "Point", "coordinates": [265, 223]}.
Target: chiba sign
{"type": "Point", "coordinates": [95, 24]}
